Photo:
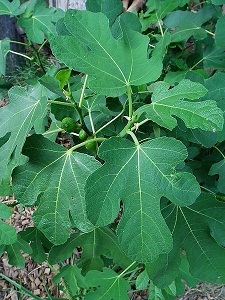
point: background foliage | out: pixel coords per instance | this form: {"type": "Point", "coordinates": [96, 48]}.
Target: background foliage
{"type": "Point", "coordinates": [140, 188]}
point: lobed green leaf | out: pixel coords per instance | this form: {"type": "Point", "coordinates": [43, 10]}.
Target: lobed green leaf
{"type": "Point", "coordinates": [167, 103]}
{"type": "Point", "coordinates": [16, 120]}
{"type": "Point", "coordinates": [84, 48]}
{"type": "Point", "coordinates": [108, 284]}
{"type": "Point", "coordinates": [139, 176]}
{"type": "Point", "coordinates": [100, 241]}
{"type": "Point", "coordinates": [8, 7]}
{"type": "Point", "coordinates": [40, 21]}
{"type": "Point", "coordinates": [7, 232]}
{"type": "Point", "coordinates": [14, 252]}
{"type": "Point", "coordinates": [35, 239]}
{"type": "Point", "coordinates": [110, 8]}
{"type": "Point", "coordinates": [202, 226]}
{"type": "Point", "coordinates": [56, 177]}
{"type": "Point", "coordinates": [73, 279]}
{"type": "Point", "coordinates": [220, 31]}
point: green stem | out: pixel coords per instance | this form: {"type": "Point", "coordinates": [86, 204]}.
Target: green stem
{"type": "Point", "coordinates": [61, 103]}
{"type": "Point", "coordinates": [78, 110]}
{"type": "Point", "coordinates": [123, 132]}
{"type": "Point", "coordinates": [51, 267]}
{"type": "Point", "coordinates": [139, 124]}
{"type": "Point", "coordinates": [219, 151]}
{"type": "Point", "coordinates": [20, 54]}
{"type": "Point", "coordinates": [196, 5]}
{"type": "Point", "coordinates": [131, 265]}
{"type": "Point", "coordinates": [53, 131]}
{"type": "Point", "coordinates": [84, 143]}
{"type": "Point", "coordinates": [220, 197]}
{"type": "Point", "coordinates": [197, 64]}
{"type": "Point", "coordinates": [207, 190]}
{"type": "Point", "coordinates": [115, 267]}
{"type": "Point", "coordinates": [64, 284]}
{"type": "Point", "coordinates": [82, 92]}
{"type": "Point", "coordinates": [72, 262]}
{"type": "Point", "coordinates": [39, 62]}
{"type": "Point", "coordinates": [128, 126]}
{"type": "Point", "coordinates": [20, 43]}
{"type": "Point", "coordinates": [46, 289]}
{"type": "Point", "coordinates": [91, 122]}
{"type": "Point", "coordinates": [209, 32]}
{"type": "Point", "coordinates": [132, 273]}
{"type": "Point", "coordinates": [116, 117]}
{"type": "Point", "coordinates": [134, 138]}
{"type": "Point", "coordinates": [160, 26]}
{"type": "Point", "coordinates": [129, 95]}
{"type": "Point", "coordinates": [20, 287]}
{"type": "Point", "coordinates": [69, 88]}
{"type": "Point", "coordinates": [42, 45]}
{"type": "Point", "coordinates": [67, 291]}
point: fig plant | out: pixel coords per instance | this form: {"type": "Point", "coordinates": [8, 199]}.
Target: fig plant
{"type": "Point", "coordinates": [140, 189]}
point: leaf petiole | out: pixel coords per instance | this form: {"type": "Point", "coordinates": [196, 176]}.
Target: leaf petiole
{"type": "Point", "coordinates": [51, 267]}
{"type": "Point", "coordinates": [125, 271]}
{"type": "Point", "coordinates": [20, 54]}
{"type": "Point", "coordinates": [219, 151]}
{"type": "Point", "coordinates": [111, 121]}
{"type": "Point", "coordinates": [53, 131]}
{"type": "Point", "coordinates": [36, 53]}
{"type": "Point", "coordinates": [219, 197]}
{"type": "Point", "coordinates": [207, 190]}
{"type": "Point", "coordinates": [78, 110]}
{"type": "Point", "coordinates": [209, 32]}
{"type": "Point", "coordinates": [132, 273]}
{"type": "Point", "coordinates": [63, 282]}
{"type": "Point", "coordinates": [129, 96]}
{"type": "Point", "coordinates": [42, 45]}
{"type": "Point", "coordinates": [195, 65]}
{"type": "Point", "coordinates": [20, 43]}
{"type": "Point", "coordinates": [139, 124]}
{"type": "Point", "coordinates": [160, 26]}
{"type": "Point", "coordinates": [84, 143]}
{"type": "Point", "coordinates": [133, 137]}
{"type": "Point", "coordinates": [61, 103]}
{"type": "Point", "coordinates": [91, 122]}
{"type": "Point", "coordinates": [128, 126]}
{"type": "Point", "coordinates": [82, 92]}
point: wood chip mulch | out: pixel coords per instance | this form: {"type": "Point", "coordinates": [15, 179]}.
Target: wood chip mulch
{"type": "Point", "coordinates": [204, 291]}
{"type": "Point", "coordinates": [35, 277]}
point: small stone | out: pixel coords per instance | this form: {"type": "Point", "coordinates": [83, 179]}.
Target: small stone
{"type": "Point", "coordinates": [37, 292]}
{"type": "Point", "coordinates": [37, 281]}
{"type": "Point", "coordinates": [15, 275]}
{"type": "Point", "coordinates": [33, 286]}
{"type": "Point", "coordinates": [47, 271]}
{"type": "Point", "coordinates": [25, 222]}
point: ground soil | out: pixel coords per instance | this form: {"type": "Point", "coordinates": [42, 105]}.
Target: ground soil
{"type": "Point", "coordinates": [38, 277]}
